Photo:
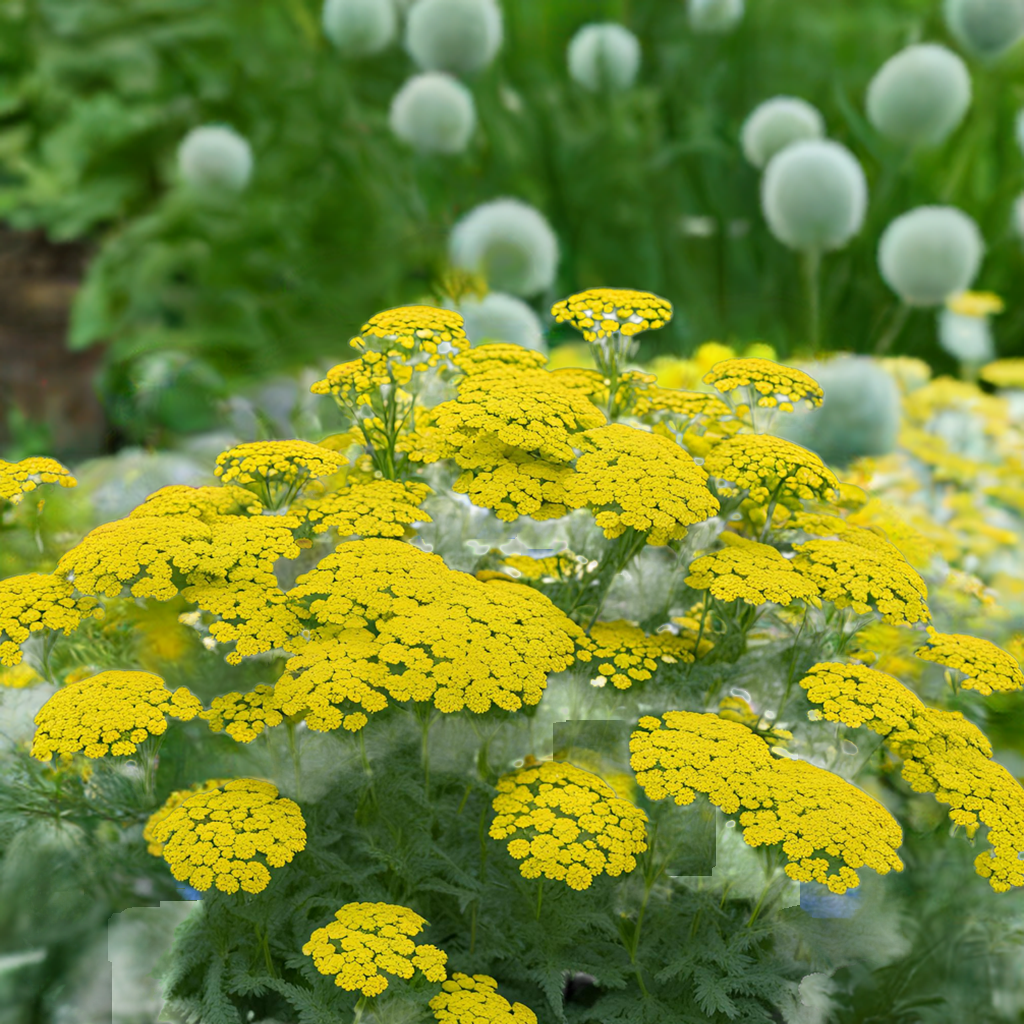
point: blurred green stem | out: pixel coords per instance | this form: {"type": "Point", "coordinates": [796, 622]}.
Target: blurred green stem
{"type": "Point", "coordinates": [893, 331]}
{"type": "Point", "coordinates": [811, 268]}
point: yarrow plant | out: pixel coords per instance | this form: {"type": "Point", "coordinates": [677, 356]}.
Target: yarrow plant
{"type": "Point", "coordinates": [492, 665]}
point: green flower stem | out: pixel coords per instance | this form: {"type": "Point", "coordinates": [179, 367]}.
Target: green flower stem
{"type": "Point", "coordinates": [792, 666]}
{"type": "Point", "coordinates": [811, 268]}
{"type": "Point", "coordinates": [773, 501]}
{"type": "Point", "coordinates": [296, 758]}
{"type": "Point", "coordinates": [894, 330]}
{"type": "Point", "coordinates": [540, 897]}
{"type": "Point", "coordinates": [623, 550]}
{"type": "Point", "coordinates": [149, 766]}
{"type": "Point", "coordinates": [359, 1008]}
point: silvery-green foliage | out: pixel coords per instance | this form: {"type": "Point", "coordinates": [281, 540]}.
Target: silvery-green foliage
{"type": "Point", "coordinates": [810, 1002]}
{"type": "Point", "coordinates": [967, 338]}
{"type": "Point", "coordinates": [1019, 130]}
{"type": "Point", "coordinates": [215, 158]}
{"type": "Point", "coordinates": [510, 243]}
{"type": "Point", "coordinates": [604, 56]}
{"type": "Point", "coordinates": [778, 123]}
{"type": "Point", "coordinates": [359, 28]}
{"type": "Point", "coordinates": [929, 254]}
{"type": "Point", "coordinates": [814, 195]}
{"type": "Point", "coordinates": [500, 317]}
{"type": "Point", "coordinates": [986, 28]}
{"type": "Point", "coordinates": [1018, 216]}
{"type": "Point", "coordinates": [460, 36]}
{"type": "Point", "coordinates": [434, 113]}
{"type": "Point", "coordinates": [860, 414]}
{"type": "Point", "coordinates": [919, 96]}
{"type": "Point", "coordinates": [715, 16]}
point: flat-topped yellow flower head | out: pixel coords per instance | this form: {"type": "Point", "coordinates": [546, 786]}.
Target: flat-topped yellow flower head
{"type": "Point", "coordinates": [976, 304]}
{"type": "Point", "coordinates": [498, 356]}
{"type": "Point", "coordinates": [776, 386]}
{"type": "Point", "coordinates": [567, 824]}
{"type": "Point", "coordinates": [176, 799]}
{"type": "Point", "coordinates": [243, 716]}
{"type": "Point", "coordinates": [625, 654]}
{"type": "Point", "coordinates": [228, 835]}
{"type": "Point", "coordinates": [379, 508]}
{"type": "Point", "coordinates": [18, 478]}
{"type": "Point", "coordinates": [34, 602]}
{"type": "Point", "coordinates": [988, 668]}
{"type": "Point", "coordinates": [206, 503]}
{"type": "Point", "coordinates": [413, 329]}
{"type": "Point", "coordinates": [109, 713]}
{"type": "Point", "coordinates": [1004, 373]}
{"type": "Point", "coordinates": [476, 1000]}
{"type": "Point", "coordinates": [276, 471]}
{"type": "Point", "coordinates": [367, 941]}
{"type": "Point", "coordinates": [602, 312]}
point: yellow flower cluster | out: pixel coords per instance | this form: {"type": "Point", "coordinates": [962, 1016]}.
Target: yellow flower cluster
{"type": "Point", "coordinates": [631, 393]}
{"type": "Point", "coordinates": [942, 753]}
{"type": "Point", "coordinates": [243, 716]}
{"type": "Point", "coordinates": [205, 503]}
{"type": "Point", "coordinates": [19, 677]}
{"type": "Point", "coordinates": [751, 572]}
{"type": "Point", "coordinates": [1004, 373]}
{"type": "Point", "coordinates": [563, 566]}
{"type": "Point", "coordinates": [390, 618]}
{"type": "Point", "coordinates": [778, 386]}
{"type": "Point", "coordinates": [413, 329]}
{"type": "Point", "coordinates": [850, 575]}
{"type": "Point", "coordinates": [365, 940]}
{"type": "Point", "coordinates": [357, 382]}
{"type": "Point", "coordinates": [566, 824]}
{"type": "Point", "coordinates": [601, 312]}
{"type": "Point", "coordinates": [770, 468]}
{"type": "Point", "coordinates": [498, 356]}
{"type": "Point", "coordinates": [627, 655]}
{"type": "Point", "coordinates": [277, 470]}
{"type": "Point", "coordinates": [633, 479]}
{"type": "Point", "coordinates": [736, 709]}
{"type": "Point", "coordinates": [217, 836]}
{"type": "Point", "coordinates": [380, 508]}
{"type": "Point", "coordinates": [685, 405]}
{"type": "Point", "coordinates": [819, 818]}
{"type": "Point", "coordinates": [475, 1000]}
{"type": "Point", "coordinates": [35, 602]}
{"type": "Point", "coordinates": [976, 304]}
{"type": "Point", "coordinates": [987, 667]}
{"type": "Point", "coordinates": [18, 478]}
{"type": "Point", "coordinates": [114, 711]}
{"type": "Point", "coordinates": [176, 799]}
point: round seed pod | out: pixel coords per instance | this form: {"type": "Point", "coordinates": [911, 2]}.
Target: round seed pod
{"type": "Point", "coordinates": [919, 96]}
{"type": "Point", "coordinates": [434, 113]}
{"type": "Point", "coordinates": [776, 124]}
{"type": "Point", "coordinates": [604, 57]}
{"type": "Point", "coordinates": [715, 17]}
{"type": "Point", "coordinates": [860, 414]}
{"type": "Point", "coordinates": [966, 338]}
{"type": "Point", "coordinates": [986, 28]}
{"type": "Point", "coordinates": [215, 158]}
{"type": "Point", "coordinates": [500, 317]}
{"type": "Point", "coordinates": [929, 254]}
{"type": "Point", "coordinates": [814, 196]}
{"type": "Point", "coordinates": [460, 36]}
{"type": "Point", "coordinates": [358, 28]}
{"type": "Point", "coordinates": [510, 243]}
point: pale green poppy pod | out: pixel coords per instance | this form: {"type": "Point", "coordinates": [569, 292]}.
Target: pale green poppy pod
{"type": "Point", "coordinates": [714, 17]}
{"type": "Point", "coordinates": [929, 254]}
{"type": "Point", "coordinates": [604, 57]}
{"type": "Point", "coordinates": [919, 96]}
{"type": "Point", "coordinates": [502, 318]}
{"type": "Point", "coordinates": [986, 28]}
{"type": "Point", "coordinates": [776, 124]}
{"type": "Point", "coordinates": [814, 196]}
{"type": "Point", "coordinates": [358, 28]}
{"type": "Point", "coordinates": [215, 158]}
{"type": "Point", "coordinates": [459, 36]}
{"type": "Point", "coordinates": [434, 113]}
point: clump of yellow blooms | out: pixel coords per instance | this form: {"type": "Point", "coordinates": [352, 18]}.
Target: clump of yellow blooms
{"type": "Point", "coordinates": [243, 716]}
{"type": "Point", "coordinates": [942, 753]}
{"type": "Point", "coordinates": [751, 572]}
{"type": "Point", "coordinates": [771, 470]}
{"type": "Point", "coordinates": [410, 330]}
{"type": "Point", "coordinates": [1004, 373]}
{"type": "Point", "coordinates": [627, 655]}
{"type": "Point", "coordinates": [562, 566]}
{"type": "Point", "coordinates": [853, 576]}
{"type": "Point", "coordinates": [777, 386]}
{"type": "Point", "coordinates": [566, 824]}
{"type": "Point", "coordinates": [276, 471]}
{"type": "Point", "coordinates": [987, 667]}
{"type": "Point", "coordinates": [206, 503]}
{"type": "Point", "coordinates": [380, 508]}
{"type": "Point", "coordinates": [114, 711]}
{"type": "Point", "coordinates": [34, 602]}
{"type": "Point", "coordinates": [817, 817]}
{"type": "Point", "coordinates": [498, 356]}
{"type": "Point", "coordinates": [19, 677]}
{"type": "Point", "coordinates": [358, 381]}
{"type": "Point", "coordinates": [228, 835]}
{"type": "Point", "coordinates": [367, 940]}
{"type": "Point", "coordinates": [632, 479]}
{"type": "Point", "coordinates": [176, 799]}
{"type": "Point", "coordinates": [18, 478]}
{"type": "Point", "coordinates": [601, 312]}
{"type": "Point", "coordinates": [476, 1000]}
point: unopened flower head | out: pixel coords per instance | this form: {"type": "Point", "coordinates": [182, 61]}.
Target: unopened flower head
{"type": "Point", "coordinates": [476, 999]}
{"type": "Point", "coordinates": [919, 96]}
{"type": "Point", "coordinates": [625, 655]}
{"type": "Point", "coordinates": [36, 602]}
{"type": "Point", "coordinates": [602, 312]}
{"type": "Point", "coordinates": [776, 124]}
{"type": "Point", "coordinates": [604, 57]}
{"type": "Point", "coordinates": [776, 386]}
{"type": "Point", "coordinates": [229, 836]}
{"type": "Point", "coordinates": [459, 36]}
{"type": "Point", "coordinates": [814, 195]}
{"type": "Point", "coordinates": [714, 17]}
{"type": "Point", "coordinates": [987, 28]}
{"type": "Point", "coordinates": [930, 254]}
{"type": "Point", "coordinates": [18, 478]}
{"type": "Point", "coordinates": [502, 318]}
{"type": "Point", "coordinates": [566, 824]}
{"type": "Point", "coordinates": [987, 668]}
{"type": "Point", "coordinates": [433, 112]}
{"type": "Point", "coordinates": [359, 28]}
{"type": "Point", "coordinates": [214, 158]}
{"type": "Point", "coordinates": [367, 941]}
{"type": "Point", "coordinates": [109, 713]}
